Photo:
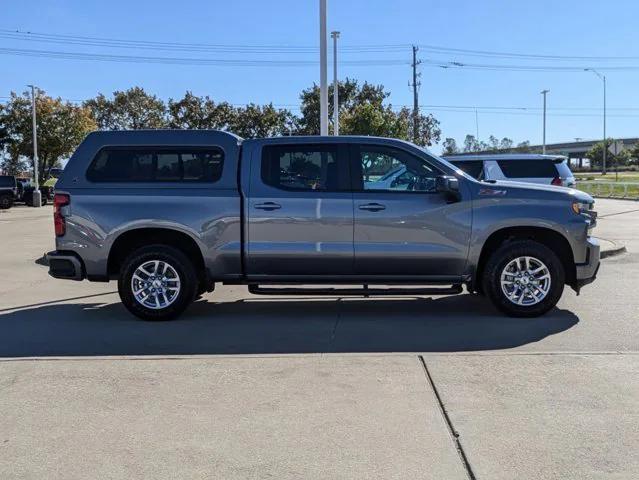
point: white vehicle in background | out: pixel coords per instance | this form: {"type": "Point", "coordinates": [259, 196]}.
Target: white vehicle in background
{"type": "Point", "coordinates": [518, 167]}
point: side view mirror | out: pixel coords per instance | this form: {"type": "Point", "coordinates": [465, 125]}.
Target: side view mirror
{"type": "Point", "coordinates": [447, 184]}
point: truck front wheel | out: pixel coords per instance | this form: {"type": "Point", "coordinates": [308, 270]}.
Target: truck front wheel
{"type": "Point", "coordinates": [6, 201]}
{"type": "Point", "coordinates": [524, 278]}
{"type": "Point", "coordinates": [157, 282]}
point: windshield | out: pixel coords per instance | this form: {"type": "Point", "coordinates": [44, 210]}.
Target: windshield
{"type": "Point", "coordinates": [7, 181]}
{"type": "Point", "coordinates": [391, 173]}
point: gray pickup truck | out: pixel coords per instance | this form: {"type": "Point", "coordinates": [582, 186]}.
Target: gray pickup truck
{"type": "Point", "coordinates": [171, 213]}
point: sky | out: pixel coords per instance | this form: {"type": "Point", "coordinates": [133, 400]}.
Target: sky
{"type": "Point", "coordinates": [508, 102]}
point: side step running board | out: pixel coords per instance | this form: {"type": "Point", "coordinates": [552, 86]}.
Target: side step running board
{"type": "Point", "coordinates": [364, 291]}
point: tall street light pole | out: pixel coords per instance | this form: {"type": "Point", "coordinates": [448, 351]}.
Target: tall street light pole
{"type": "Point", "coordinates": [323, 78]}
{"type": "Point", "coordinates": [335, 36]}
{"type": "Point", "coordinates": [544, 93]}
{"type": "Point", "coordinates": [605, 147]}
{"type": "Point", "coordinates": [36, 198]}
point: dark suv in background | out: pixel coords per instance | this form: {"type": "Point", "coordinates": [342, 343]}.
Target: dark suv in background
{"type": "Point", "coordinates": [8, 191]}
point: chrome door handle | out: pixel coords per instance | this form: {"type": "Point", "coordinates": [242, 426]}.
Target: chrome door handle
{"type": "Point", "coordinates": [267, 206]}
{"type": "Point", "coordinates": [372, 207]}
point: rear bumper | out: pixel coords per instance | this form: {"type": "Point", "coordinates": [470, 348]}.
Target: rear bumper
{"type": "Point", "coordinates": [65, 265]}
{"type": "Point", "coordinates": [587, 272]}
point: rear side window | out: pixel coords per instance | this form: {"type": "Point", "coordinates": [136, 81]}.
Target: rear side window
{"type": "Point", "coordinates": [305, 167]}
{"type": "Point", "coordinates": [154, 164]}
{"type": "Point", "coordinates": [474, 168]}
{"type": "Point", "coordinates": [528, 168]}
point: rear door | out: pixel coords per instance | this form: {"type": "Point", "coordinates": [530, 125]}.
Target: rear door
{"type": "Point", "coordinates": [406, 228]}
{"type": "Point", "coordinates": [300, 211]}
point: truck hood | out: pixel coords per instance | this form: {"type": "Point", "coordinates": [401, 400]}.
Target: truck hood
{"type": "Point", "coordinates": [573, 193]}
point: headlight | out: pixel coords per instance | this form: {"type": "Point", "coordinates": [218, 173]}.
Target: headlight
{"type": "Point", "coordinates": [585, 210]}
{"type": "Point", "coordinates": [581, 207]}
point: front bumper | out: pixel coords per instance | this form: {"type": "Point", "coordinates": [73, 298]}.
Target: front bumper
{"type": "Point", "coordinates": [65, 265]}
{"type": "Point", "coordinates": [587, 272]}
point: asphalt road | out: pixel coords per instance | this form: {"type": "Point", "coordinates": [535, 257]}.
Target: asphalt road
{"type": "Point", "coordinates": [245, 387]}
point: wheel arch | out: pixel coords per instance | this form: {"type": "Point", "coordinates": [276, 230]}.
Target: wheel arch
{"type": "Point", "coordinates": [130, 240]}
{"type": "Point", "coordinates": [552, 239]}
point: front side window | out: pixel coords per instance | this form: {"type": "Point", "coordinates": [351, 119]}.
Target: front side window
{"type": "Point", "coordinates": [150, 164]}
{"type": "Point", "coordinates": [390, 169]}
{"type": "Point", "coordinates": [305, 167]}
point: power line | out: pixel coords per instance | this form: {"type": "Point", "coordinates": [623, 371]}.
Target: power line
{"type": "Point", "coordinates": [255, 48]}
{"type": "Point", "coordinates": [290, 63]}
{"type": "Point", "coordinates": [201, 47]}
{"type": "Point", "coordinates": [527, 68]}
{"type": "Point", "coordinates": [187, 60]}
{"type": "Point", "coordinates": [493, 54]}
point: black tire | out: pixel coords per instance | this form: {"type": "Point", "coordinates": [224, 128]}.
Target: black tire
{"type": "Point", "coordinates": [168, 255]}
{"type": "Point", "coordinates": [6, 202]}
{"type": "Point", "coordinates": [491, 281]}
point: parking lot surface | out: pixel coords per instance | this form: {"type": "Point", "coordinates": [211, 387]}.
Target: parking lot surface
{"type": "Point", "coordinates": [245, 387]}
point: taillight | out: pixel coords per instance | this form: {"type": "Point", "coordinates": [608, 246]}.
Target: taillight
{"type": "Point", "coordinates": [60, 200]}
{"type": "Point", "coordinates": [557, 181]}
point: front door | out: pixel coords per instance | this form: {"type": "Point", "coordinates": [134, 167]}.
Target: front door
{"type": "Point", "coordinates": [300, 211]}
{"type": "Point", "coordinates": [403, 226]}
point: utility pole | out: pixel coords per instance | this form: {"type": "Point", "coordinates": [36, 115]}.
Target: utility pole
{"type": "Point", "coordinates": [544, 93]}
{"type": "Point", "coordinates": [335, 36]}
{"type": "Point", "coordinates": [605, 147]}
{"type": "Point", "coordinates": [415, 86]}
{"type": "Point", "coordinates": [323, 79]}
{"type": "Point", "coordinates": [36, 198]}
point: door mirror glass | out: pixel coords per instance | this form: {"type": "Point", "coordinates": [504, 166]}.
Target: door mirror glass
{"type": "Point", "coordinates": [447, 184]}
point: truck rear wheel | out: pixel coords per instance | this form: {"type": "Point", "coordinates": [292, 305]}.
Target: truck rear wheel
{"type": "Point", "coordinates": [157, 282]}
{"type": "Point", "coordinates": [524, 278]}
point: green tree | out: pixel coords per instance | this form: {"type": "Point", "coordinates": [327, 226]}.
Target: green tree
{"type": "Point", "coordinates": [505, 144]}
{"type": "Point", "coordinates": [12, 165]}
{"type": "Point", "coordinates": [130, 110]}
{"type": "Point", "coordinates": [369, 119]}
{"type": "Point", "coordinates": [254, 121]}
{"type": "Point", "coordinates": [523, 147]}
{"type": "Point", "coordinates": [634, 154]}
{"type": "Point", "coordinates": [363, 111]}
{"type": "Point", "coordinates": [595, 154]}
{"type": "Point", "coordinates": [471, 144]}
{"type": "Point", "coordinates": [350, 94]}
{"type": "Point", "coordinates": [449, 146]}
{"type": "Point", "coordinates": [193, 112]}
{"type": "Point", "coordinates": [61, 127]}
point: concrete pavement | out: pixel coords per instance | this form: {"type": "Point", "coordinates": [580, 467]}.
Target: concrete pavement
{"type": "Point", "coordinates": [245, 387]}
{"type": "Point", "coordinates": [234, 418]}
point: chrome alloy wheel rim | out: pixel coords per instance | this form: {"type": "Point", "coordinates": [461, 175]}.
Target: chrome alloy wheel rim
{"type": "Point", "coordinates": [525, 281]}
{"type": "Point", "coordinates": [155, 284]}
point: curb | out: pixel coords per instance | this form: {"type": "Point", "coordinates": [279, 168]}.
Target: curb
{"type": "Point", "coordinates": [616, 249]}
{"type": "Point", "coordinates": [601, 197]}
